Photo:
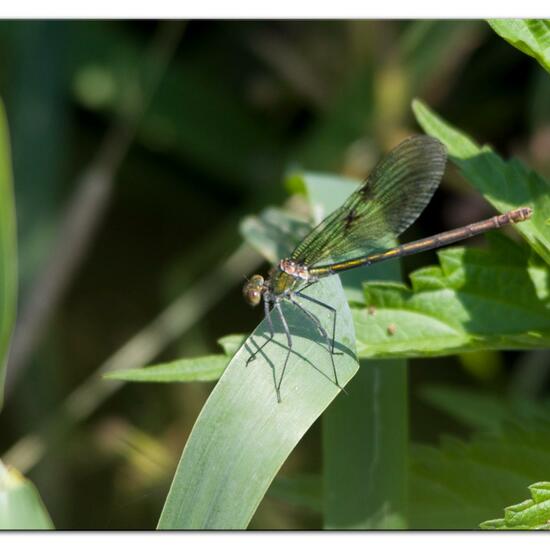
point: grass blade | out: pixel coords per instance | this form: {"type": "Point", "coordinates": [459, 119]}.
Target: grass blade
{"type": "Point", "coordinates": [8, 250]}
{"type": "Point", "coordinates": [243, 436]}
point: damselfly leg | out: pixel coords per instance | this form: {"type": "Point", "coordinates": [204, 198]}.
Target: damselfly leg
{"type": "Point", "coordinates": [315, 320]}
{"type": "Point", "coordinates": [267, 313]}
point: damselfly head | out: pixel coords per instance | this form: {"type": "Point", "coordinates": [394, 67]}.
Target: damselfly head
{"type": "Point", "coordinates": [253, 290]}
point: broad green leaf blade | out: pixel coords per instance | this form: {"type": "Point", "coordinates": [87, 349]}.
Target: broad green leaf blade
{"type": "Point", "coordinates": [200, 369]}
{"type": "Point", "coordinates": [506, 185]}
{"type": "Point", "coordinates": [475, 299]}
{"type": "Point", "coordinates": [531, 36]}
{"type": "Point", "coordinates": [243, 436]}
{"type": "Point", "coordinates": [365, 486]}
{"type": "Point", "coordinates": [531, 514]}
{"type": "Point", "coordinates": [21, 507]}
{"type": "Point", "coordinates": [8, 252]}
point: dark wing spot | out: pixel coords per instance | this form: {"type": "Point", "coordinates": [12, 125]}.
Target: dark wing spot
{"type": "Point", "coordinates": [367, 192]}
{"type": "Point", "coordinates": [350, 218]}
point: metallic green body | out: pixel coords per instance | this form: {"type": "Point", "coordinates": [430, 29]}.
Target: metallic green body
{"type": "Point", "coordinates": [282, 283]}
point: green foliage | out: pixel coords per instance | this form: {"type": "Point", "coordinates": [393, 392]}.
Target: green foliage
{"type": "Point", "coordinates": [238, 102]}
{"type": "Point", "coordinates": [206, 368]}
{"type": "Point", "coordinates": [459, 484]}
{"type": "Point", "coordinates": [201, 369]}
{"type": "Point", "coordinates": [483, 411]}
{"type": "Point", "coordinates": [530, 514]}
{"type": "Point", "coordinates": [475, 299]}
{"type": "Point", "coordinates": [506, 185]}
{"type": "Point", "coordinates": [21, 506]}
{"type": "Point", "coordinates": [531, 36]}
{"type": "Point", "coordinates": [8, 252]}
{"type": "Point", "coordinates": [470, 302]}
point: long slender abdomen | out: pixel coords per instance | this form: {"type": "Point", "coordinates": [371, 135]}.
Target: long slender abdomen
{"type": "Point", "coordinates": [429, 243]}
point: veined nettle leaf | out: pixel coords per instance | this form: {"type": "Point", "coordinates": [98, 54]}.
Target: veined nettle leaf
{"type": "Point", "coordinates": [532, 514]}
{"type": "Point", "coordinates": [505, 184]}
{"type": "Point", "coordinates": [475, 299]}
{"type": "Point", "coordinates": [459, 484]}
{"type": "Point", "coordinates": [531, 36]}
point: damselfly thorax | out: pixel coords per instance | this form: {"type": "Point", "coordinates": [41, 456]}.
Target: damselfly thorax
{"type": "Point", "coordinates": [287, 277]}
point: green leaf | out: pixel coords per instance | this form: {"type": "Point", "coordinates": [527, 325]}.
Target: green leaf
{"type": "Point", "coordinates": [20, 504]}
{"type": "Point", "coordinates": [243, 435]}
{"type": "Point", "coordinates": [206, 368]}
{"type": "Point", "coordinates": [200, 369]}
{"type": "Point", "coordinates": [460, 484]}
{"type": "Point", "coordinates": [475, 299]}
{"type": "Point", "coordinates": [506, 185]}
{"type": "Point", "coordinates": [531, 36]}
{"type": "Point", "coordinates": [528, 515]}
{"type": "Point", "coordinates": [8, 252]}
{"type": "Point", "coordinates": [231, 343]}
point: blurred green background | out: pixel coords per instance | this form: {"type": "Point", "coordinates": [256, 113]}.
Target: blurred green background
{"type": "Point", "coordinates": [138, 147]}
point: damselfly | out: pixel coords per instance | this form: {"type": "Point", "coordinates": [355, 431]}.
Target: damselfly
{"type": "Point", "coordinates": [360, 233]}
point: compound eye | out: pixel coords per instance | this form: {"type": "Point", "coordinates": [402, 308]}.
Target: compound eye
{"type": "Point", "coordinates": [254, 297]}
{"type": "Point", "coordinates": [252, 290]}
